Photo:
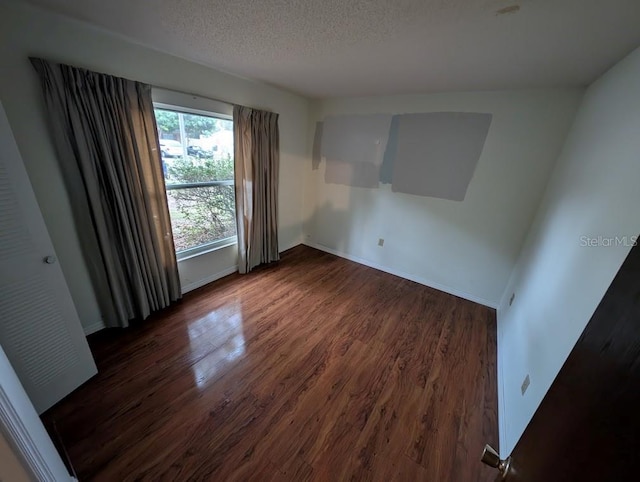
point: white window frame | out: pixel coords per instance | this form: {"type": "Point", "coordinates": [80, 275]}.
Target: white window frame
{"type": "Point", "coordinates": [192, 104]}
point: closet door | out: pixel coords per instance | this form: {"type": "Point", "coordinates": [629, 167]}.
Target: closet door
{"type": "Point", "coordinates": [39, 327]}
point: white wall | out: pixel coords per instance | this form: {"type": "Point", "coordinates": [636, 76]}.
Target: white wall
{"type": "Point", "coordinates": [466, 248]}
{"type": "Point", "coordinates": [557, 282]}
{"type": "Point", "coordinates": [25, 32]}
{"type": "Point", "coordinates": [200, 270]}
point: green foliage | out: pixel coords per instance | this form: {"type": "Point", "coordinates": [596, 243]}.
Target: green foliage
{"type": "Point", "coordinates": [201, 170]}
{"type": "Point", "coordinates": [203, 214]}
{"type": "Point", "coordinates": [195, 126]}
{"type": "Point", "coordinates": [198, 126]}
{"type": "Point", "coordinates": [167, 121]}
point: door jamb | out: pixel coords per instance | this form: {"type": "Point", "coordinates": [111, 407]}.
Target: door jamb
{"type": "Point", "coordinates": [24, 431]}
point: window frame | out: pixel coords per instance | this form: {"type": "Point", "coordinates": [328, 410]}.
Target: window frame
{"type": "Point", "coordinates": [180, 109]}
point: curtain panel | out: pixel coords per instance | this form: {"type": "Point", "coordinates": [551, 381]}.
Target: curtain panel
{"type": "Point", "coordinates": [105, 134]}
{"type": "Point", "coordinates": [257, 160]}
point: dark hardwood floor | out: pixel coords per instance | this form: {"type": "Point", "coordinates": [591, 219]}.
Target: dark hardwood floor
{"type": "Point", "coordinates": [316, 368]}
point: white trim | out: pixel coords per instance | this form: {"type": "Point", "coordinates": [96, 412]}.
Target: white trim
{"type": "Point", "coordinates": [502, 427]}
{"type": "Point", "coordinates": [190, 104]}
{"type": "Point", "coordinates": [223, 273]}
{"type": "Point", "coordinates": [502, 416]}
{"type": "Point", "coordinates": [207, 248]}
{"type": "Point", "coordinates": [24, 430]}
{"type": "Point", "coordinates": [180, 109]}
{"type": "Point", "coordinates": [411, 277]}
{"type": "Point", "coordinates": [503, 307]}
{"type": "Point", "coordinates": [99, 325]}
{"type": "Point", "coordinates": [293, 244]}
{"type": "Point", "coordinates": [209, 279]}
{"type": "Point", "coordinates": [93, 327]}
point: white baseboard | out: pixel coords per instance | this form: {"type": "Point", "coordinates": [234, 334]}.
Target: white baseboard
{"type": "Point", "coordinates": [209, 279]}
{"type": "Point", "coordinates": [297, 242]}
{"type": "Point", "coordinates": [401, 274]}
{"type": "Point", "coordinates": [99, 325]}
{"type": "Point", "coordinates": [223, 273]}
{"type": "Point", "coordinates": [93, 327]}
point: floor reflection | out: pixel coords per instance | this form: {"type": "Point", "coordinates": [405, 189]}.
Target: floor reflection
{"type": "Point", "coordinates": [223, 330]}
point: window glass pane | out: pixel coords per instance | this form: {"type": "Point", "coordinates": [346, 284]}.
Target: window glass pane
{"type": "Point", "coordinates": [201, 215]}
{"type": "Point", "coordinates": [182, 170]}
{"type": "Point", "coordinates": [195, 149]}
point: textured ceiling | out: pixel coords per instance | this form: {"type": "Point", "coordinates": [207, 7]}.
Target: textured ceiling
{"type": "Point", "coordinates": [330, 48]}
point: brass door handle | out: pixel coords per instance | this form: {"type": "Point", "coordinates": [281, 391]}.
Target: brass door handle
{"type": "Point", "coordinates": [492, 459]}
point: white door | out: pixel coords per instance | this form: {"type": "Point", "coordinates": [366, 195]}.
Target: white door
{"type": "Point", "coordinates": [39, 327]}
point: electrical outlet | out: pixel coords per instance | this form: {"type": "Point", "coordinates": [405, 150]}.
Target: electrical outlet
{"type": "Point", "coordinates": [513, 296]}
{"type": "Point", "coordinates": [525, 384]}
{"type": "Point", "coordinates": [380, 242]}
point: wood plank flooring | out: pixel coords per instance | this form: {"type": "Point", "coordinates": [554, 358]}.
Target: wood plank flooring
{"type": "Point", "coordinates": [316, 368]}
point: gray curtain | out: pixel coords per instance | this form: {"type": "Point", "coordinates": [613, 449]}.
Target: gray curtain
{"type": "Point", "coordinates": [257, 159]}
{"type": "Point", "coordinates": [105, 135]}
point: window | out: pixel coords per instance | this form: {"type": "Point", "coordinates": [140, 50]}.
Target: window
{"type": "Point", "coordinates": [197, 161]}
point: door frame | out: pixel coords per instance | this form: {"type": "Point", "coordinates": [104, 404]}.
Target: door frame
{"type": "Point", "coordinates": [24, 431]}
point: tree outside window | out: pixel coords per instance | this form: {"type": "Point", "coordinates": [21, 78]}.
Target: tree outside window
{"type": "Point", "coordinates": [197, 157]}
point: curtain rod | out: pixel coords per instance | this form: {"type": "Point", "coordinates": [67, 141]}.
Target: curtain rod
{"type": "Point", "coordinates": [152, 85]}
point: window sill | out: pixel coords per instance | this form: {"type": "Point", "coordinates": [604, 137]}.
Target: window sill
{"type": "Point", "coordinates": [208, 250]}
